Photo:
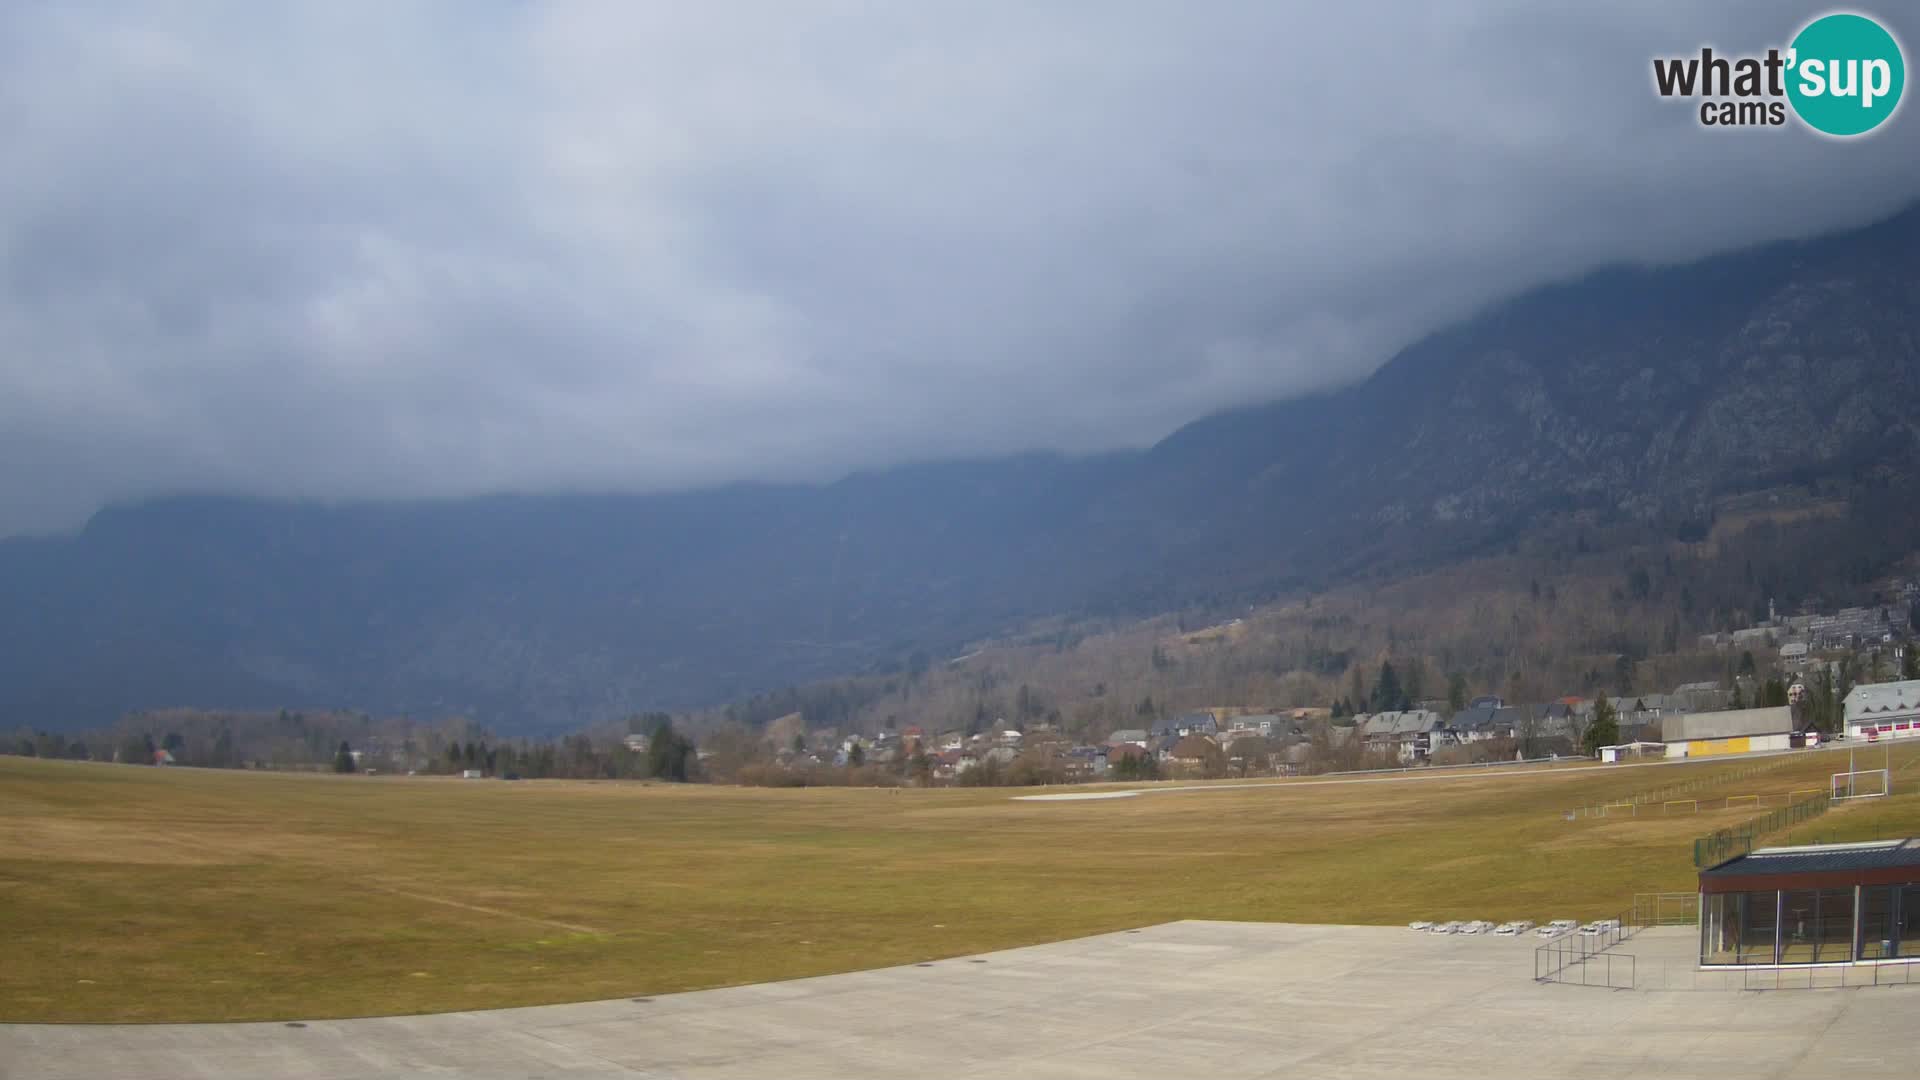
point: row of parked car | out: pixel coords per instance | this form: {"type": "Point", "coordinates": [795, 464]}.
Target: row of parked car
{"type": "Point", "coordinates": [1517, 928]}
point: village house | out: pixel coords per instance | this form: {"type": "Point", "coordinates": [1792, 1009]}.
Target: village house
{"type": "Point", "coordinates": [1701, 696]}
{"type": "Point", "coordinates": [1193, 752]}
{"type": "Point", "coordinates": [1251, 754]}
{"type": "Point", "coordinates": [1410, 733]}
{"type": "Point", "coordinates": [951, 764]}
{"type": "Point", "coordinates": [1293, 760]}
{"type": "Point", "coordinates": [1085, 762]}
{"type": "Point", "coordinates": [1192, 723]}
{"type": "Point", "coordinates": [1260, 723]}
{"type": "Point", "coordinates": [1478, 723]}
{"type": "Point", "coordinates": [1883, 711]}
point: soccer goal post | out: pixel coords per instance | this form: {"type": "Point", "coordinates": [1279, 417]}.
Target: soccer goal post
{"type": "Point", "coordinates": [1691, 806]}
{"type": "Point", "coordinates": [1734, 801]}
{"type": "Point", "coordinates": [1861, 784]}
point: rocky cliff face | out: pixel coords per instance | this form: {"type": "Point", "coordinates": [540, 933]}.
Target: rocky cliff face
{"type": "Point", "coordinates": [1641, 393]}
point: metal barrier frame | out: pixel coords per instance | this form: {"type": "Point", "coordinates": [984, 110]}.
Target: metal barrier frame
{"type": "Point", "coordinates": [1553, 960]}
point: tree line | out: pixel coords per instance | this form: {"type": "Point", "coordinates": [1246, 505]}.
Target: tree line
{"type": "Point", "coordinates": [351, 742]}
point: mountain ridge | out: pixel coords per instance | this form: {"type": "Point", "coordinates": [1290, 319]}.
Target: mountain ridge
{"type": "Point", "coordinates": [1636, 392]}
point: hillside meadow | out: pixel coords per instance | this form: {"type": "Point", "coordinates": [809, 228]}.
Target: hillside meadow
{"type": "Point", "coordinates": [143, 894]}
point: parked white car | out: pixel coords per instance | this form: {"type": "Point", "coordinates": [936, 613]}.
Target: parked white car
{"type": "Point", "coordinates": [1521, 926]}
{"type": "Point", "coordinates": [1557, 927]}
{"type": "Point", "coordinates": [1474, 927]}
{"type": "Point", "coordinates": [1448, 928]}
{"type": "Point", "coordinates": [1421, 924]}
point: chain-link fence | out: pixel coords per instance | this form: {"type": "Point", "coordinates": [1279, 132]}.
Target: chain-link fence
{"type": "Point", "coordinates": [1722, 844]}
{"type": "Point", "coordinates": [1648, 801]}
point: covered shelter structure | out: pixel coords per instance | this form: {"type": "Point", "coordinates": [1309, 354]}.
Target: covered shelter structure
{"type": "Point", "coordinates": [1823, 904]}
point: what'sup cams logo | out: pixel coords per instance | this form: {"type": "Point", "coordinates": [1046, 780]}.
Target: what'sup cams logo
{"type": "Point", "coordinates": [1842, 76]}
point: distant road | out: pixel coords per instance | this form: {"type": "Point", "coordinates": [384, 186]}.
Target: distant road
{"type": "Point", "coordinates": [1453, 772]}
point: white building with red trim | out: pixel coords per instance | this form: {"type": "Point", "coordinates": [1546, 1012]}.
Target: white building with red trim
{"type": "Point", "coordinates": [1883, 711]}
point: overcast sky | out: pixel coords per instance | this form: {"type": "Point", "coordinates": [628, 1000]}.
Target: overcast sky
{"type": "Point", "coordinates": [390, 249]}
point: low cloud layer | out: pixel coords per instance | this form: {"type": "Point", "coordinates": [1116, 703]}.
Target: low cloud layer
{"type": "Point", "coordinates": [347, 250]}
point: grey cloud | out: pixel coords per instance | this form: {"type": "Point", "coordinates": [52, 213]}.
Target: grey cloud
{"type": "Point", "coordinates": [379, 250]}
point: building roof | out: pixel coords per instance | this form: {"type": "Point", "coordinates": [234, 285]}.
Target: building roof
{"type": "Point", "coordinates": [1728, 724]}
{"type": "Point", "coordinates": [1186, 721]}
{"type": "Point", "coordinates": [1484, 718]}
{"type": "Point", "coordinates": [1625, 704]}
{"type": "Point", "coordinates": [1128, 735]}
{"type": "Point", "coordinates": [1410, 722]}
{"type": "Point", "coordinates": [1883, 697]}
{"type": "Point", "coordinates": [1194, 746]}
{"type": "Point", "coordinates": [1891, 859]}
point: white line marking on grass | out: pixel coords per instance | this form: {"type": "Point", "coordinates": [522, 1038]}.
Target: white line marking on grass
{"type": "Point", "coordinates": [483, 910]}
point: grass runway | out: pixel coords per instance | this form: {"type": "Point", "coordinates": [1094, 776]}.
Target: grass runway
{"type": "Point", "coordinates": [141, 894]}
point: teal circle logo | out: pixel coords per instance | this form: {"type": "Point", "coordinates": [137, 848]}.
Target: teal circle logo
{"type": "Point", "coordinates": [1845, 74]}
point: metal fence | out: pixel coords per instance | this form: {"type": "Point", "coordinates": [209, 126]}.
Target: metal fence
{"type": "Point", "coordinates": [1722, 844]}
{"type": "Point", "coordinates": [1665, 973]}
{"type": "Point", "coordinates": [1583, 959]}
{"type": "Point", "coordinates": [1844, 976]}
{"type": "Point", "coordinates": [1612, 970]}
{"type": "Point", "coordinates": [1632, 805]}
{"type": "Point", "coordinates": [1574, 957]}
{"type": "Point", "coordinates": [1666, 909]}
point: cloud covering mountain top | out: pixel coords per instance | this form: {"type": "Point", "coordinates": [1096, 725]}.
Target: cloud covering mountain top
{"type": "Point", "coordinates": [348, 250]}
